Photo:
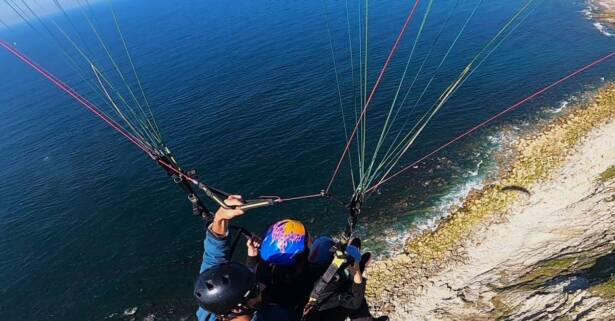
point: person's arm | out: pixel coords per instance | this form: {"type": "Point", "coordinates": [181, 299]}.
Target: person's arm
{"type": "Point", "coordinates": [348, 293]}
{"type": "Point", "coordinates": [217, 249]}
{"type": "Point", "coordinates": [353, 298]}
{"type": "Point", "coordinates": [253, 258]}
{"type": "Point", "coordinates": [355, 271]}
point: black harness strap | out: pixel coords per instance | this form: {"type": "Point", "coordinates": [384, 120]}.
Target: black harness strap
{"type": "Point", "coordinates": [339, 260]}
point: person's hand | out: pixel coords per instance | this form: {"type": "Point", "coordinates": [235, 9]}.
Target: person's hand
{"type": "Point", "coordinates": [230, 213]}
{"type": "Point", "coordinates": [355, 271]}
{"type": "Point", "coordinates": [254, 246]}
{"type": "Point", "coordinates": [224, 215]}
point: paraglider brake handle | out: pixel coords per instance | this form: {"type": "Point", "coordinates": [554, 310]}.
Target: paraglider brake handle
{"type": "Point", "coordinates": [218, 197]}
{"type": "Point", "coordinates": [251, 204]}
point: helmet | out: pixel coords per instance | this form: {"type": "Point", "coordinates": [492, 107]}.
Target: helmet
{"type": "Point", "coordinates": [224, 287]}
{"type": "Point", "coordinates": [284, 241]}
{"type": "Point", "coordinates": [320, 252]}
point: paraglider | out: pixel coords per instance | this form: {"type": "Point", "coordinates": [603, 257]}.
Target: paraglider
{"type": "Point", "coordinates": [378, 157]}
{"type": "Point", "coordinates": [140, 128]}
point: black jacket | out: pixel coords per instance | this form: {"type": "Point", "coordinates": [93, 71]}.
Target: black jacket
{"type": "Point", "coordinates": [338, 299]}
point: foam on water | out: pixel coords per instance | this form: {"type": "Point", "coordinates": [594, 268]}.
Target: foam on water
{"type": "Point", "coordinates": [207, 55]}
{"type": "Point", "coordinates": [455, 198]}
{"type": "Point", "coordinates": [589, 14]}
{"type": "Point", "coordinates": [561, 107]}
{"type": "Point", "coordinates": [469, 179]}
{"type": "Point", "coordinates": [603, 29]}
{"type": "Point", "coordinates": [476, 171]}
{"type": "Point", "coordinates": [395, 238]}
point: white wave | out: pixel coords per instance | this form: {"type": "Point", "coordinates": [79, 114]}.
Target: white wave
{"type": "Point", "coordinates": [496, 140]}
{"type": "Point", "coordinates": [443, 209]}
{"type": "Point", "coordinates": [456, 197]}
{"type": "Point", "coordinates": [395, 241]}
{"type": "Point", "coordinates": [395, 238]}
{"type": "Point", "coordinates": [562, 106]}
{"type": "Point", "coordinates": [430, 224]}
{"type": "Point", "coordinates": [476, 171]}
{"type": "Point", "coordinates": [603, 29]}
{"type": "Point", "coordinates": [503, 137]}
{"type": "Point", "coordinates": [591, 13]}
{"type": "Point", "coordinates": [130, 311]}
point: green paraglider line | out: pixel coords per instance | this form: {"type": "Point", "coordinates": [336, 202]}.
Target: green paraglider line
{"type": "Point", "coordinates": [492, 118]}
{"type": "Point", "coordinates": [212, 193]}
{"type": "Point", "coordinates": [165, 160]}
{"type": "Point", "coordinates": [374, 89]}
{"type": "Point", "coordinates": [67, 89]}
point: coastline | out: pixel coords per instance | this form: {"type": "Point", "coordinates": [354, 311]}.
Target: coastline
{"type": "Point", "coordinates": [560, 166]}
{"type": "Point", "coordinates": [603, 11]}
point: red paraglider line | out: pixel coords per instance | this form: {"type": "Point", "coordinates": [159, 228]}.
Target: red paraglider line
{"type": "Point", "coordinates": [71, 92]}
{"type": "Point", "coordinates": [91, 107]}
{"type": "Point", "coordinates": [374, 89]}
{"type": "Point", "coordinates": [492, 118]}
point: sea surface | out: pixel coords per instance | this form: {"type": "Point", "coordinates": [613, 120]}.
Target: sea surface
{"type": "Point", "coordinates": [245, 92]}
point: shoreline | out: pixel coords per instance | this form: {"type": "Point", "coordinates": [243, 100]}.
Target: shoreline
{"type": "Point", "coordinates": [541, 160]}
{"type": "Point", "coordinates": [602, 11]}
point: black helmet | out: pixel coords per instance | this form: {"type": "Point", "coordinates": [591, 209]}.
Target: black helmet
{"type": "Point", "coordinates": [224, 287]}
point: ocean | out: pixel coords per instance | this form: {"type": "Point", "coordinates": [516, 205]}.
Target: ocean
{"type": "Point", "coordinates": [246, 93]}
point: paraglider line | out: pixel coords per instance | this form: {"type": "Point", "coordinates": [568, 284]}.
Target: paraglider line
{"type": "Point", "coordinates": [492, 118]}
{"type": "Point", "coordinates": [91, 107]}
{"type": "Point", "coordinates": [374, 89]}
{"type": "Point", "coordinates": [84, 102]}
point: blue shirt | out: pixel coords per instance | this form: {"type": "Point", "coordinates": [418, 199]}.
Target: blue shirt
{"type": "Point", "coordinates": [217, 250]}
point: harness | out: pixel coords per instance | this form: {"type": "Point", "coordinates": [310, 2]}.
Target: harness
{"type": "Point", "coordinates": [184, 179]}
{"type": "Point", "coordinates": [340, 260]}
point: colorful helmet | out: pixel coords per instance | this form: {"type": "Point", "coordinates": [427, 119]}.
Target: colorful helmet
{"type": "Point", "coordinates": [320, 252]}
{"type": "Point", "coordinates": [284, 241]}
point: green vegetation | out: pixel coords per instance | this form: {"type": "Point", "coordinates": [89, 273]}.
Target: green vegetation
{"type": "Point", "coordinates": [537, 157]}
{"type": "Point", "coordinates": [608, 174]}
{"type": "Point", "coordinates": [606, 289]}
{"type": "Point", "coordinates": [550, 269]}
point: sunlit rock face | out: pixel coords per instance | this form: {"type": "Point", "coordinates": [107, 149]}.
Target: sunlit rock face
{"type": "Point", "coordinates": [543, 251]}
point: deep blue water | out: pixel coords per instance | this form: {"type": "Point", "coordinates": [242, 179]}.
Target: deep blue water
{"type": "Point", "coordinates": [246, 93]}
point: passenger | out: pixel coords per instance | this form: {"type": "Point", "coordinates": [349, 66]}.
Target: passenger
{"type": "Point", "coordinates": [282, 266]}
{"type": "Point", "coordinates": [344, 296]}
{"type": "Point", "coordinates": [228, 291]}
